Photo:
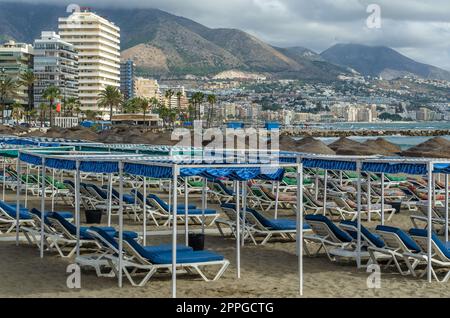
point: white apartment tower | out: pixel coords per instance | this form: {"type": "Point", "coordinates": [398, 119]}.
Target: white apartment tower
{"type": "Point", "coordinates": [97, 41]}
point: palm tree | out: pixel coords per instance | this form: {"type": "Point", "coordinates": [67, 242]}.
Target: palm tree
{"type": "Point", "coordinates": [154, 102]}
{"type": "Point", "coordinates": [179, 96]}
{"type": "Point", "coordinates": [197, 100]}
{"type": "Point", "coordinates": [42, 110]}
{"type": "Point", "coordinates": [32, 114]}
{"type": "Point", "coordinates": [169, 95]}
{"type": "Point", "coordinates": [144, 104]}
{"type": "Point", "coordinates": [70, 105]}
{"type": "Point", "coordinates": [8, 92]}
{"type": "Point", "coordinates": [131, 106]}
{"type": "Point", "coordinates": [90, 114]}
{"type": "Point", "coordinates": [51, 93]}
{"type": "Point", "coordinates": [28, 79]}
{"type": "Point", "coordinates": [111, 97]}
{"type": "Point", "coordinates": [17, 112]}
{"type": "Point", "coordinates": [212, 99]}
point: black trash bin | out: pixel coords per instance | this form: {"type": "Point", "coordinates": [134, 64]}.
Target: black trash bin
{"type": "Point", "coordinates": [397, 205]}
{"type": "Point", "coordinates": [93, 216]}
{"type": "Point", "coordinates": [197, 241]}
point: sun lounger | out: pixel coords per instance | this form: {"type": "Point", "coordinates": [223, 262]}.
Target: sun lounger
{"type": "Point", "coordinates": [196, 215]}
{"type": "Point", "coordinates": [8, 217]}
{"type": "Point", "coordinates": [440, 259]}
{"type": "Point", "coordinates": [398, 245]}
{"type": "Point", "coordinates": [257, 224]}
{"type": "Point", "coordinates": [327, 235]}
{"type": "Point", "coordinates": [147, 261]}
{"type": "Point", "coordinates": [68, 235]}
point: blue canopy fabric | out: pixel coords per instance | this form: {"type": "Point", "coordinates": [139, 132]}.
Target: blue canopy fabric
{"type": "Point", "coordinates": [232, 173]}
{"type": "Point", "coordinates": [395, 168]}
{"type": "Point", "coordinates": [329, 164]}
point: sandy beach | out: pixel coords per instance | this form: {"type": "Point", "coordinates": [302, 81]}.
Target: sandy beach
{"type": "Point", "coordinates": [267, 271]}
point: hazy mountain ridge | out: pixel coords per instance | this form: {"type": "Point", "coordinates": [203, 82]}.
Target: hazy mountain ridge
{"type": "Point", "coordinates": [380, 61]}
{"type": "Point", "coordinates": [163, 44]}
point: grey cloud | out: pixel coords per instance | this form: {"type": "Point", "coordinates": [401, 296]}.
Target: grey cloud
{"type": "Point", "coordinates": [420, 29]}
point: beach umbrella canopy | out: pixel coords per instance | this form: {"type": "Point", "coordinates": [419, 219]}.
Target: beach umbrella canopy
{"type": "Point", "coordinates": [313, 146]}
{"type": "Point", "coordinates": [348, 147]}
{"type": "Point", "coordinates": [383, 147]}
{"type": "Point", "coordinates": [437, 147]}
{"type": "Point", "coordinates": [344, 143]}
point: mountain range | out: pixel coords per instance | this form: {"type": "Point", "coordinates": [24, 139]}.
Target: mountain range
{"type": "Point", "coordinates": [163, 44]}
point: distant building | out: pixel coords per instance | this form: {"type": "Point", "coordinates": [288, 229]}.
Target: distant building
{"type": "Point", "coordinates": [15, 59]}
{"type": "Point", "coordinates": [97, 41]}
{"type": "Point", "coordinates": [151, 120]}
{"type": "Point", "coordinates": [147, 88]}
{"type": "Point", "coordinates": [127, 79]}
{"type": "Point", "coordinates": [55, 64]}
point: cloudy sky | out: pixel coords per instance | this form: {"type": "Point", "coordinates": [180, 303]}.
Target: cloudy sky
{"type": "Point", "coordinates": [417, 28]}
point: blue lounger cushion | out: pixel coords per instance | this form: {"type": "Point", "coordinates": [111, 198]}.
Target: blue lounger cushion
{"type": "Point", "coordinates": [406, 239]}
{"type": "Point", "coordinates": [180, 206]}
{"type": "Point", "coordinates": [373, 238]}
{"type": "Point", "coordinates": [340, 234]}
{"type": "Point", "coordinates": [11, 210]}
{"type": "Point", "coordinates": [277, 225]}
{"type": "Point", "coordinates": [183, 257]}
{"type": "Point", "coordinates": [157, 248]}
{"type": "Point", "coordinates": [109, 235]}
{"type": "Point", "coordinates": [72, 229]}
{"type": "Point", "coordinates": [101, 192]}
{"type": "Point", "coordinates": [424, 233]}
{"type": "Point", "coordinates": [181, 210]}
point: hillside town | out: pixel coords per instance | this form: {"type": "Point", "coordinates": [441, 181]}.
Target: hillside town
{"type": "Point", "coordinates": [76, 73]}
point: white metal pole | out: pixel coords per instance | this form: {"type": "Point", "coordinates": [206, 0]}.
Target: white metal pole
{"type": "Point", "coordinates": [52, 183]}
{"type": "Point", "coordinates": [325, 192]}
{"type": "Point", "coordinates": [170, 203]}
{"type": "Point", "coordinates": [174, 233]}
{"type": "Point", "coordinates": [341, 181]}
{"type": "Point", "coordinates": [186, 212]}
{"type": "Point", "coordinates": [4, 178]}
{"type": "Point", "coordinates": [110, 186]}
{"type": "Point", "coordinates": [446, 207]}
{"type": "Point", "coordinates": [77, 204]}
{"type": "Point", "coordinates": [382, 199]}
{"type": "Point", "coordinates": [120, 224]}
{"type": "Point", "coordinates": [17, 200]}
{"type": "Point", "coordinates": [300, 224]}
{"type": "Point", "coordinates": [145, 211]}
{"type": "Point", "coordinates": [358, 258]}
{"type": "Point", "coordinates": [430, 224]}
{"type": "Point", "coordinates": [42, 206]}
{"type": "Point", "coordinates": [277, 199]}
{"type": "Point", "coordinates": [238, 231]}
{"type": "Point", "coordinates": [244, 212]}
{"type": "Point", "coordinates": [317, 186]}
{"type": "Point", "coordinates": [203, 205]}
{"type": "Point", "coordinates": [369, 197]}
{"type": "Point", "coordinates": [26, 185]}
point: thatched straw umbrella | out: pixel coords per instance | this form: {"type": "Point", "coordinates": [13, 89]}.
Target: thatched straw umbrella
{"type": "Point", "coordinates": [313, 146]}
{"type": "Point", "coordinates": [344, 143]}
{"type": "Point", "coordinates": [383, 147]}
{"type": "Point", "coordinates": [434, 148]}
{"type": "Point", "coordinates": [348, 147]}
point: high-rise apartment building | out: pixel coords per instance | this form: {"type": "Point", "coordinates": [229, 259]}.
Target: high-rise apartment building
{"type": "Point", "coordinates": [16, 59]}
{"type": "Point", "coordinates": [97, 42]}
{"type": "Point", "coordinates": [127, 79]}
{"type": "Point", "coordinates": [147, 88]}
{"type": "Point", "coordinates": [55, 64]}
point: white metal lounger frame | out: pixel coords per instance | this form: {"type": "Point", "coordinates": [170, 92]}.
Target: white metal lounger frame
{"type": "Point", "coordinates": [197, 218]}
{"type": "Point", "coordinates": [137, 262]}
{"type": "Point", "coordinates": [397, 250]}
{"type": "Point", "coordinates": [325, 237]}
{"type": "Point", "coordinates": [10, 222]}
{"type": "Point", "coordinates": [438, 259]}
{"type": "Point", "coordinates": [68, 239]}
